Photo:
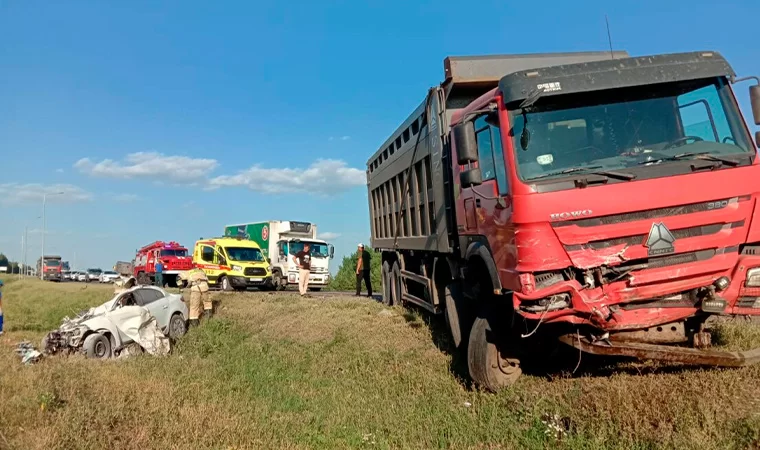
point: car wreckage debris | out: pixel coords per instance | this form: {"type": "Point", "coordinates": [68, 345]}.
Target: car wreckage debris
{"type": "Point", "coordinates": [27, 352]}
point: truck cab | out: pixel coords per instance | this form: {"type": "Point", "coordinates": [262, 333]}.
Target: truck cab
{"type": "Point", "coordinates": [232, 263]}
{"type": "Point", "coordinates": [603, 201]}
{"type": "Point", "coordinates": [321, 253]}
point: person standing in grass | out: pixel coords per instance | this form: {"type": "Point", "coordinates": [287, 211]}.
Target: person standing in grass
{"type": "Point", "coordinates": [303, 260]}
{"type": "Point", "coordinates": [160, 274]}
{"type": "Point", "coordinates": [1, 307]}
{"type": "Point", "coordinates": [362, 271]}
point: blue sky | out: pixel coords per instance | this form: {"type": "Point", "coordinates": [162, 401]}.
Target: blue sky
{"type": "Point", "coordinates": [168, 122]}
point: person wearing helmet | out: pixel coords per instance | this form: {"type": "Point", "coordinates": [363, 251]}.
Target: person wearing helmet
{"type": "Point", "coordinates": [1, 307]}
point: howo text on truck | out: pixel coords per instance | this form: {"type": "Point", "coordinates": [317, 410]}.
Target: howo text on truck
{"type": "Point", "coordinates": [605, 201]}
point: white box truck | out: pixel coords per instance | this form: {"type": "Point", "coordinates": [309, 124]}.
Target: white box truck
{"type": "Point", "coordinates": [279, 239]}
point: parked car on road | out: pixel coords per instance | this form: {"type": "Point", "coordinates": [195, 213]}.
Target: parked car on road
{"type": "Point", "coordinates": [81, 276]}
{"type": "Point", "coordinates": [106, 330]}
{"type": "Point", "coordinates": [66, 275]}
{"type": "Point", "coordinates": [93, 274]}
{"type": "Point", "coordinates": [109, 276]}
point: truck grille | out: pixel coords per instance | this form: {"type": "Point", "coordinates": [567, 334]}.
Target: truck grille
{"type": "Point", "coordinates": [653, 213]}
{"type": "Point", "coordinates": [703, 230]}
{"type": "Point", "coordinates": [254, 271]}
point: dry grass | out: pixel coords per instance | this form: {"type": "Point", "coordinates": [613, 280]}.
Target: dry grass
{"type": "Point", "coordinates": [276, 371]}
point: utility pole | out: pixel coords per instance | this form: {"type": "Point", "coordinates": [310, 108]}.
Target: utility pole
{"type": "Point", "coordinates": [26, 245]}
{"type": "Point", "coordinates": [42, 255]}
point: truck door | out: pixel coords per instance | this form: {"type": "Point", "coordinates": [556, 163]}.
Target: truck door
{"type": "Point", "coordinates": [488, 207]}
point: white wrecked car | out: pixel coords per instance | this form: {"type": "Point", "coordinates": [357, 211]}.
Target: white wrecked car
{"type": "Point", "coordinates": [136, 314]}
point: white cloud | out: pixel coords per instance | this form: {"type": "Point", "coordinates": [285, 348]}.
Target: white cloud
{"type": "Point", "coordinates": [59, 170]}
{"type": "Point", "coordinates": [328, 235]}
{"type": "Point", "coordinates": [17, 193]}
{"type": "Point", "coordinates": [177, 169]}
{"type": "Point", "coordinates": [339, 138]}
{"type": "Point", "coordinates": [324, 176]}
{"type": "Point", "coordinates": [125, 198]}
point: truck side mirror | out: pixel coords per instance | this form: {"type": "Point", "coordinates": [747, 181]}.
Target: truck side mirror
{"type": "Point", "coordinates": [466, 145]}
{"type": "Point", "coordinates": [757, 138]}
{"type": "Point", "coordinates": [471, 177]}
{"type": "Point", "coordinates": [332, 251]}
{"type": "Point", "coordinates": [754, 99]}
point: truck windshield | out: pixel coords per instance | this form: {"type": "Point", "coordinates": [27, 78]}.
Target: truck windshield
{"type": "Point", "coordinates": [174, 252]}
{"type": "Point", "coordinates": [244, 254]}
{"type": "Point", "coordinates": [318, 249]}
{"type": "Point", "coordinates": [52, 263]}
{"type": "Point", "coordinates": [632, 129]}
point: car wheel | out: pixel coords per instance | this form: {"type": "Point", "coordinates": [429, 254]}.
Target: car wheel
{"type": "Point", "coordinates": [97, 346]}
{"type": "Point", "coordinates": [225, 283]}
{"type": "Point", "coordinates": [177, 326]}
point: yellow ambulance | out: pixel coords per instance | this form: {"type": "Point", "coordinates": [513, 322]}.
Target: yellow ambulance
{"type": "Point", "coordinates": [232, 263]}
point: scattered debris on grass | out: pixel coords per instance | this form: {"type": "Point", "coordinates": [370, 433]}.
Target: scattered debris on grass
{"type": "Point", "coordinates": [386, 313]}
{"type": "Point", "coordinates": [557, 426]}
{"type": "Point", "coordinates": [27, 352]}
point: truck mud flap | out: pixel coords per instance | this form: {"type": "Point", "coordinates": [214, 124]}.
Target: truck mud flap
{"type": "Point", "coordinates": [670, 353]}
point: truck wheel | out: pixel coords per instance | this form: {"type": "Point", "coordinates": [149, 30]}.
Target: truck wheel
{"type": "Point", "coordinates": [97, 346]}
{"type": "Point", "coordinates": [491, 363]}
{"type": "Point", "coordinates": [395, 280]}
{"type": "Point", "coordinates": [276, 280]}
{"type": "Point", "coordinates": [224, 282]}
{"type": "Point", "coordinates": [385, 277]}
{"type": "Point", "coordinates": [459, 316]}
{"type": "Point", "coordinates": [177, 326]}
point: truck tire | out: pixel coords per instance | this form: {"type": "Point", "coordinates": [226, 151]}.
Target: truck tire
{"type": "Point", "coordinates": [385, 277]}
{"type": "Point", "coordinates": [277, 281]}
{"type": "Point", "coordinates": [97, 346]}
{"type": "Point", "coordinates": [459, 315]}
{"type": "Point", "coordinates": [396, 288]}
{"type": "Point", "coordinates": [489, 359]}
{"type": "Point", "coordinates": [225, 284]}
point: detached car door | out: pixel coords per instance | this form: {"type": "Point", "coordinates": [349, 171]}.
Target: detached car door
{"type": "Point", "coordinates": [154, 300]}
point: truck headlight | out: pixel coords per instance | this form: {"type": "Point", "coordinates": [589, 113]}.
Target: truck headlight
{"type": "Point", "coordinates": [753, 277]}
{"type": "Point", "coordinates": [237, 269]}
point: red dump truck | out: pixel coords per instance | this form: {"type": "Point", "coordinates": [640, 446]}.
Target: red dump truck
{"type": "Point", "coordinates": [600, 200]}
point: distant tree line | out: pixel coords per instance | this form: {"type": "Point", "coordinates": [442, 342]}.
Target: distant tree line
{"type": "Point", "coordinates": [12, 266]}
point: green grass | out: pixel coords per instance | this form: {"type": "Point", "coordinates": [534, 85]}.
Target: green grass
{"type": "Point", "coordinates": [276, 371]}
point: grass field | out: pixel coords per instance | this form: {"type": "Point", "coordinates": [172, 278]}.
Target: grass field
{"type": "Point", "coordinates": [276, 371]}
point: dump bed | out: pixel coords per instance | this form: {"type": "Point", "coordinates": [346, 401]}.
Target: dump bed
{"type": "Point", "coordinates": [409, 177]}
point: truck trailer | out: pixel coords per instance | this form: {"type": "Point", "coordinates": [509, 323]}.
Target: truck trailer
{"type": "Point", "coordinates": [594, 199]}
{"type": "Point", "coordinates": [279, 239]}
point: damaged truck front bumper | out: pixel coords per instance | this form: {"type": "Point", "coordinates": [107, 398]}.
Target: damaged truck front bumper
{"type": "Point", "coordinates": [652, 297]}
{"type": "Point", "coordinates": [656, 314]}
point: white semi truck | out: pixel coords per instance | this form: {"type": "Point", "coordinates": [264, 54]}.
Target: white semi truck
{"type": "Point", "coordinates": [279, 239]}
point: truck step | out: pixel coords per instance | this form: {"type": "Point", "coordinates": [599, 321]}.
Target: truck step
{"type": "Point", "coordinates": [670, 353]}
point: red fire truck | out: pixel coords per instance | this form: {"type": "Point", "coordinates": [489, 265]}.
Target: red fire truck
{"type": "Point", "coordinates": [173, 255]}
{"type": "Point", "coordinates": [600, 200]}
